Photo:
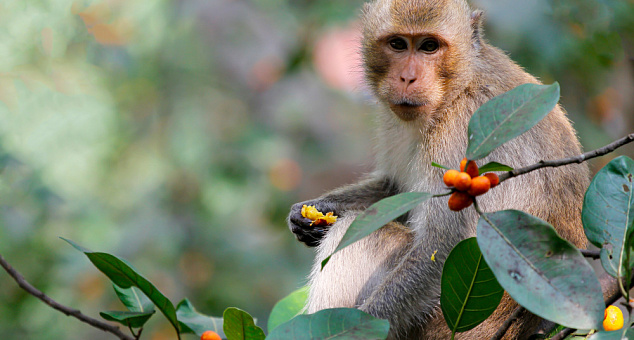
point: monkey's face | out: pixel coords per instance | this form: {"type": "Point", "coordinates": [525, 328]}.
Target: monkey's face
{"type": "Point", "coordinates": [408, 73]}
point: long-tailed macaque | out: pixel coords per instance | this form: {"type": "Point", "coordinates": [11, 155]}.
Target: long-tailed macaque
{"type": "Point", "coordinates": [430, 68]}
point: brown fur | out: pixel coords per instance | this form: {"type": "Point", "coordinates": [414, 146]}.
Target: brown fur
{"type": "Point", "coordinates": [390, 273]}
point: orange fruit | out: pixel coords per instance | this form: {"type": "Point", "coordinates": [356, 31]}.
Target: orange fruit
{"type": "Point", "coordinates": [493, 178]}
{"type": "Point", "coordinates": [459, 200]}
{"type": "Point", "coordinates": [210, 335]}
{"type": "Point", "coordinates": [472, 169]}
{"type": "Point", "coordinates": [462, 181]}
{"type": "Point", "coordinates": [450, 177]}
{"type": "Point", "coordinates": [612, 318]}
{"type": "Point", "coordinates": [479, 186]}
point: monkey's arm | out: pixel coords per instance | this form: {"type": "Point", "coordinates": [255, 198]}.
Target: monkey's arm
{"type": "Point", "coordinates": [408, 296]}
{"type": "Point", "coordinates": [358, 196]}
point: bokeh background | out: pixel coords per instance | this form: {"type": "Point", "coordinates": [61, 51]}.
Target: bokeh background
{"type": "Point", "coordinates": [176, 134]}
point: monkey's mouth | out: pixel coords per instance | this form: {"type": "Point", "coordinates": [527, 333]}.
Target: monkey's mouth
{"type": "Point", "coordinates": [408, 104]}
{"type": "Point", "coordinates": [408, 109]}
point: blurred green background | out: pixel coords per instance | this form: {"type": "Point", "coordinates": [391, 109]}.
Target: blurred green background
{"type": "Point", "coordinates": [176, 134]}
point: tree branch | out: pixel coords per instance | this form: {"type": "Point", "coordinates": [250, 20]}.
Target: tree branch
{"type": "Point", "coordinates": [575, 159]}
{"type": "Point", "coordinates": [593, 254]}
{"type": "Point", "coordinates": [507, 324]}
{"type": "Point", "coordinates": [19, 279]}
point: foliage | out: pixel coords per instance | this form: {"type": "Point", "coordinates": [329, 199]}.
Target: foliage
{"type": "Point", "coordinates": [470, 292]}
{"type": "Point", "coordinates": [147, 127]}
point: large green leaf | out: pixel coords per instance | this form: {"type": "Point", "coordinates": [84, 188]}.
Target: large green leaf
{"type": "Point", "coordinates": [128, 319]}
{"type": "Point", "coordinates": [338, 323]}
{"type": "Point", "coordinates": [122, 275]}
{"type": "Point", "coordinates": [622, 334]}
{"type": "Point", "coordinates": [134, 299]}
{"type": "Point", "coordinates": [239, 325]}
{"type": "Point", "coordinates": [541, 271]}
{"type": "Point", "coordinates": [469, 291]}
{"type": "Point", "coordinates": [288, 307]}
{"type": "Point", "coordinates": [608, 212]}
{"type": "Point", "coordinates": [379, 214]}
{"type": "Point", "coordinates": [192, 321]}
{"type": "Point", "coordinates": [509, 115]}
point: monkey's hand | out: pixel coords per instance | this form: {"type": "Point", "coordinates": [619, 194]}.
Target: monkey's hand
{"type": "Point", "coordinates": [303, 228]}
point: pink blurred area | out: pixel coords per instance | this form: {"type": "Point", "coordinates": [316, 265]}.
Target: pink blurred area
{"type": "Point", "coordinates": [337, 57]}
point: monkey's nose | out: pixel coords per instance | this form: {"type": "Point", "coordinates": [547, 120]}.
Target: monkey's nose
{"type": "Point", "coordinates": [408, 79]}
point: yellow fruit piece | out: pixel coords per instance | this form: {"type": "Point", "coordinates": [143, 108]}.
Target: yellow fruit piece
{"type": "Point", "coordinates": [318, 218]}
{"type": "Point", "coordinates": [433, 256]}
{"type": "Point", "coordinates": [612, 318]}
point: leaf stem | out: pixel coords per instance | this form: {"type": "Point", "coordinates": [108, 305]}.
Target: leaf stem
{"type": "Point", "coordinates": [26, 286]}
{"type": "Point", "coordinates": [570, 160]}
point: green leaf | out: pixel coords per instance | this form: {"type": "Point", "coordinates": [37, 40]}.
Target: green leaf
{"type": "Point", "coordinates": [338, 323]}
{"type": "Point", "coordinates": [239, 325]}
{"type": "Point", "coordinates": [439, 166]}
{"type": "Point", "coordinates": [134, 299]}
{"type": "Point", "coordinates": [622, 334]}
{"type": "Point", "coordinates": [128, 319]}
{"type": "Point", "coordinates": [541, 271]}
{"type": "Point", "coordinates": [509, 115]}
{"type": "Point", "coordinates": [469, 291]}
{"type": "Point", "coordinates": [377, 215]}
{"type": "Point", "coordinates": [494, 166]}
{"type": "Point", "coordinates": [122, 275]}
{"type": "Point", "coordinates": [288, 307]}
{"type": "Point", "coordinates": [608, 212]}
{"type": "Point", "coordinates": [192, 321]}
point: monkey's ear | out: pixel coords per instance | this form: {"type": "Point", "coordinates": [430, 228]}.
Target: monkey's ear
{"type": "Point", "coordinates": [477, 18]}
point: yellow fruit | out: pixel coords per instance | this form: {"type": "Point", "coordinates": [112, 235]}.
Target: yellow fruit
{"type": "Point", "coordinates": [612, 318]}
{"type": "Point", "coordinates": [450, 177]}
{"type": "Point", "coordinates": [210, 335]}
{"type": "Point", "coordinates": [459, 200]}
{"type": "Point", "coordinates": [318, 218]}
{"type": "Point", "coordinates": [479, 186]}
{"type": "Point", "coordinates": [462, 181]}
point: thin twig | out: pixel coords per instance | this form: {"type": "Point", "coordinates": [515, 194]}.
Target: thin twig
{"type": "Point", "coordinates": [593, 254]}
{"type": "Point", "coordinates": [575, 159]}
{"type": "Point", "coordinates": [508, 323]}
{"type": "Point", "coordinates": [19, 279]}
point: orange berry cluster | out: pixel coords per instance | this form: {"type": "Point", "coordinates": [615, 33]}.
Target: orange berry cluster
{"type": "Point", "coordinates": [468, 184]}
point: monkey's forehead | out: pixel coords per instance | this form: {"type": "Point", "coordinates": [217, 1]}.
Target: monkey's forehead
{"type": "Point", "coordinates": [384, 17]}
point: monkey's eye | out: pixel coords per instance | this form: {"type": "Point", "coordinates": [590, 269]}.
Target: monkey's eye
{"type": "Point", "coordinates": [398, 44]}
{"type": "Point", "coordinates": [430, 45]}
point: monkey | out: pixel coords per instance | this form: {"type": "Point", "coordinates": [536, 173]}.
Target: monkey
{"type": "Point", "coordinates": [430, 68]}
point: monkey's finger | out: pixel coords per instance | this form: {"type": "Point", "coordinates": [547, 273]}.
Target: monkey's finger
{"type": "Point", "coordinates": [311, 239]}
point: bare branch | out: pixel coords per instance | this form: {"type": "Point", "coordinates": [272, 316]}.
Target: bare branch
{"type": "Point", "coordinates": [507, 324]}
{"type": "Point", "coordinates": [570, 160]}
{"type": "Point", "coordinates": [19, 279]}
{"type": "Point", "coordinates": [593, 254]}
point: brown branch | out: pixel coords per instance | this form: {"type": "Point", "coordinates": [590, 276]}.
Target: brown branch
{"type": "Point", "coordinates": [507, 324]}
{"type": "Point", "coordinates": [575, 159]}
{"type": "Point", "coordinates": [19, 279]}
{"type": "Point", "coordinates": [593, 254]}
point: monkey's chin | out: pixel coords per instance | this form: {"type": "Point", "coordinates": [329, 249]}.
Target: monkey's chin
{"type": "Point", "coordinates": [408, 112]}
